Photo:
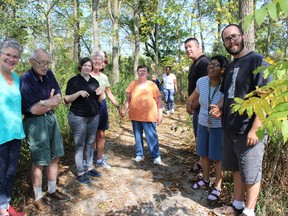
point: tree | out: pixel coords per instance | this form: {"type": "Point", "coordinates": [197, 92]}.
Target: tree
{"type": "Point", "coordinates": [76, 27]}
{"type": "Point", "coordinates": [96, 34]}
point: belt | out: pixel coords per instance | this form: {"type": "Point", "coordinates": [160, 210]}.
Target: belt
{"type": "Point", "coordinates": [28, 115]}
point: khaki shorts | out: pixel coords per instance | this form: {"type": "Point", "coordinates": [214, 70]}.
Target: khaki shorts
{"type": "Point", "coordinates": [44, 138]}
{"type": "Point", "coordinates": [237, 156]}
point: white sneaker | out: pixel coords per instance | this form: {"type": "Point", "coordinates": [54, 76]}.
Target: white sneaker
{"type": "Point", "coordinates": [157, 161]}
{"type": "Point", "coordinates": [172, 111]}
{"type": "Point", "coordinates": [103, 164]}
{"type": "Point", "coordinates": [139, 159]}
{"type": "Point", "coordinates": [167, 112]}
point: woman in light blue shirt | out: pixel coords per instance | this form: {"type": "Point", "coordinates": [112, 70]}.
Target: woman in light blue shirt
{"type": "Point", "coordinates": [11, 129]}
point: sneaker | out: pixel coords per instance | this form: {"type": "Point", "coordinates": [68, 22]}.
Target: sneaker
{"type": "Point", "coordinates": [12, 212]}
{"type": "Point", "coordinates": [139, 159]}
{"type": "Point", "coordinates": [172, 111]}
{"type": "Point", "coordinates": [104, 157]}
{"type": "Point", "coordinates": [166, 111]}
{"type": "Point", "coordinates": [157, 161]}
{"type": "Point", "coordinates": [43, 205]}
{"type": "Point", "coordinates": [93, 173]}
{"type": "Point", "coordinates": [83, 179]}
{"type": "Point", "coordinates": [58, 196]}
{"type": "Point", "coordinates": [227, 210]}
{"type": "Point", "coordinates": [103, 164]}
{"type": "Point", "coordinates": [85, 164]}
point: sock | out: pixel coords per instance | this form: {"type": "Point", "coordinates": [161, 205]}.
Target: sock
{"type": "Point", "coordinates": [38, 193]}
{"type": "Point", "coordinates": [99, 161]}
{"type": "Point", "coordinates": [249, 212]}
{"type": "Point", "coordinates": [51, 186]}
{"type": "Point", "coordinates": [238, 204]}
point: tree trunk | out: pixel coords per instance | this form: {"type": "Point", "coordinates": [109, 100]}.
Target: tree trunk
{"type": "Point", "coordinates": [50, 37]}
{"type": "Point", "coordinates": [200, 25]}
{"type": "Point", "coordinates": [96, 35]}
{"type": "Point", "coordinates": [115, 49]}
{"type": "Point", "coordinates": [76, 46]}
{"type": "Point", "coordinates": [137, 38]}
{"type": "Point", "coordinates": [246, 7]}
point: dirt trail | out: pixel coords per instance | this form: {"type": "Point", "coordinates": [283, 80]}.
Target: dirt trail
{"type": "Point", "coordinates": [129, 188]}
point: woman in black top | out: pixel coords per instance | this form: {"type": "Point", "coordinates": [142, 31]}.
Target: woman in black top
{"type": "Point", "coordinates": [84, 93]}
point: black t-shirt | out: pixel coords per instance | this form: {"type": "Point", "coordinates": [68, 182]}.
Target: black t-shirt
{"type": "Point", "coordinates": [239, 80]}
{"type": "Point", "coordinates": [198, 69]}
{"type": "Point", "coordinates": [85, 107]}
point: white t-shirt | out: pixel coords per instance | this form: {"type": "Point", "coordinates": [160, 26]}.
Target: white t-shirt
{"type": "Point", "coordinates": [168, 81]}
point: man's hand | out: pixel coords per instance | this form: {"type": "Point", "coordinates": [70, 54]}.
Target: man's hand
{"type": "Point", "coordinates": [215, 111]}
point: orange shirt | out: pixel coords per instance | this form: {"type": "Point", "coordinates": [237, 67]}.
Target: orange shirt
{"type": "Point", "coordinates": [143, 105]}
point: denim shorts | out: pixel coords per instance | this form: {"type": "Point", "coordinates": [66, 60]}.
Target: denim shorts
{"type": "Point", "coordinates": [103, 116]}
{"type": "Point", "coordinates": [237, 156]}
{"type": "Point", "coordinates": [44, 139]}
{"type": "Point", "coordinates": [209, 142]}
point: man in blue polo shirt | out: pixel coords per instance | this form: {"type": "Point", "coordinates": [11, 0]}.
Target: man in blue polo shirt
{"type": "Point", "coordinates": [40, 94]}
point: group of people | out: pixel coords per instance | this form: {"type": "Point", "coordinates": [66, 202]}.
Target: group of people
{"type": "Point", "coordinates": [223, 136]}
{"type": "Point", "coordinates": [227, 138]}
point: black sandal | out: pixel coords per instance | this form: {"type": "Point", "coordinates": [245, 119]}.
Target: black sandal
{"type": "Point", "coordinates": [201, 183]}
{"type": "Point", "coordinates": [214, 195]}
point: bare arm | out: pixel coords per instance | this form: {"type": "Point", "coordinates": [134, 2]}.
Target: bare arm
{"type": "Point", "coordinates": [126, 105]}
{"type": "Point", "coordinates": [192, 102]}
{"type": "Point", "coordinates": [216, 109]}
{"type": "Point", "coordinates": [70, 98]}
{"type": "Point", "coordinates": [175, 84]}
{"type": "Point", "coordinates": [252, 138]}
{"type": "Point", "coordinates": [159, 109]}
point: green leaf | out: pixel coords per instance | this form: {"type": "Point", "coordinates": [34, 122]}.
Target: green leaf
{"type": "Point", "coordinates": [269, 127]}
{"type": "Point", "coordinates": [278, 115]}
{"type": "Point", "coordinates": [284, 6]}
{"type": "Point", "coordinates": [272, 10]}
{"type": "Point", "coordinates": [285, 130]}
{"type": "Point", "coordinates": [260, 15]}
{"type": "Point", "coordinates": [260, 133]}
{"type": "Point", "coordinates": [247, 21]}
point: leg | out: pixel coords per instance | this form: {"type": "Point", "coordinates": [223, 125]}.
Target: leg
{"type": "Point", "coordinates": [206, 167]}
{"type": "Point", "coordinates": [138, 135]}
{"type": "Point", "coordinates": [90, 138]}
{"type": "Point", "coordinates": [166, 95]}
{"type": "Point", "coordinates": [100, 140]}
{"type": "Point", "coordinates": [252, 192]}
{"type": "Point", "coordinates": [239, 187]}
{"type": "Point", "coordinates": [172, 100]}
{"type": "Point", "coordinates": [152, 138]}
{"type": "Point", "coordinates": [36, 175]}
{"type": "Point", "coordinates": [219, 175]}
{"type": "Point", "coordinates": [4, 160]}
{"type": "Point", "coordinates": [52, 169]}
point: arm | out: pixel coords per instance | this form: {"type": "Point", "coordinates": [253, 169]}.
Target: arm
{"type": "Point", "coordinates": [126, 105]}
{"type": "Point", "coordinates": [216, 109]}
{"type": "Point", "coordinates": [159, 109]}
{"type": "Point", "coordinates": [46, 105]}
{"type": "Point", "coordinates": [112, 98]}
{"type": "Point", "coordinates": [252, 138]}
{"type": "Point", "coordinates": [70, 98]}
{"type": "Point", "coordinates": [192, 102]}
{"type": "Point", "coordinates": [175, 84]}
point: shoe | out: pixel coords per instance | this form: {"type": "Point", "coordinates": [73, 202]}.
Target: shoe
{"type": "Point", "coordinates": [227, 210]}
{"type": "Point", "coordinates": [201, 183]}
{"type": "Point", "coordinates": [83, 179]}
{"type": "Point", "coordinates": [12, 212]}
{"type": "Point", "coordinates": [58, 196]}
{"type": "Point", "coordinates": [93, 173]}
{"type": "Point", "coordinates": [166, 111]}
{"type": "Point", "coordinates": [43, 205]}
{"type": "Point", "coordinates": [103, 164]}
{"type": "Point", "coordinates": [85, 164]}
{"type": "Point", "coordinates": [139, 159]}
{"type": "Point", "coordinates": [157, 161]}
{"type": "Point", "coordinates": [214, 195]}
{"type": "Point", "coordinates": [172, 111]}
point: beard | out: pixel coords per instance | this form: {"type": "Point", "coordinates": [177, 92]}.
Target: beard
{"type": "Point", "coordinates": [237, 51]}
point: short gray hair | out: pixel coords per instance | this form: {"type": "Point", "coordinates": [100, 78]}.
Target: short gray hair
{"type": "Point", "coordinates": [11, 43]}
{"type": "Point", "coordinates": [97, 53]}
{"type": "Point", "coordinates": [36, 51]}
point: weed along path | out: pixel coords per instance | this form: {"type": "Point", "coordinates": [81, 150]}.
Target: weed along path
{"type": "Point", "coordinates": [131, 188]}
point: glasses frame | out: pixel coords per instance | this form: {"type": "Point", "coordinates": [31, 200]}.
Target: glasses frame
{"type": "Point", "coordinates": [9, 56]}
{"type": "Point", "coordinates": [234, 37]}
{"type": "Point", "coordinates": [215, 64]}
{"type": "Point", "coordinates": [48, 63]}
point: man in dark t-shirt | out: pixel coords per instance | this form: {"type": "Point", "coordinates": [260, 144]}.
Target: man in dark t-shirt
{"type": "Point", "coordinates": [198, 69]}
{"type": "Point", "coordinates": [242, 151]}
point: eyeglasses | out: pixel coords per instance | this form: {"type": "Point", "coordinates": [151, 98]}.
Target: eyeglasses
{"type": "Point", "coordinates": [214, 64]}
{"type": "Point", "coordinates": [9, 56]}
{"type": "Point", "coordinates": [233, 37]}
{"type": "Point", "coordinates": [43, 63]}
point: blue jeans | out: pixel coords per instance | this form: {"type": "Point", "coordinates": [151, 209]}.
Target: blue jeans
{"type": "Point", "coordinates": [151, 137]}
{"type": "Point", "coordinates": [169, 99]}
{"type": "Point", "coordinates": [84, 133]}
{"type": "Point", "coordinates": [9, 160]}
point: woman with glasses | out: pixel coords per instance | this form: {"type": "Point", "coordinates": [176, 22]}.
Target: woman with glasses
{"type": "Point", "coordinates": [209, 131]}
{"type": "Point", "coordinates": [11, 128]}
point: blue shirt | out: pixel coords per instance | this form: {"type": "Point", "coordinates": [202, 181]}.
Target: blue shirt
{"type": "Point", "coordinates": [10, 111]}
{"type": "Point", "coordinates": [33, 89]}
{"type": "Point", "coordinates": [202, 87]}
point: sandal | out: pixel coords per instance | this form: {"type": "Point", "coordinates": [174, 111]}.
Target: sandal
{"type": "Point", "coordinates": [197, 168]}
{"type": "Point", "coordinates": [214, 195]}
{"type": "Point", "coordinates": [201, 183]}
